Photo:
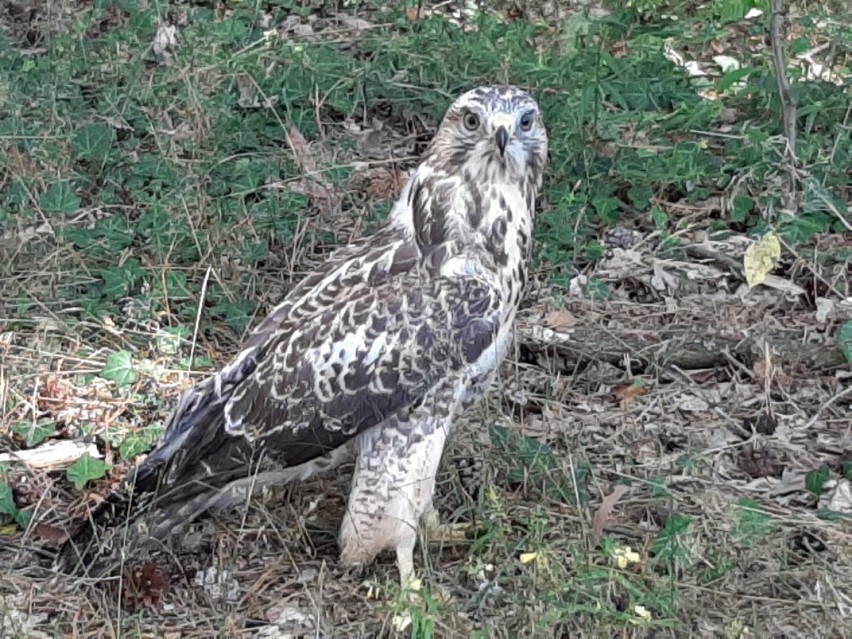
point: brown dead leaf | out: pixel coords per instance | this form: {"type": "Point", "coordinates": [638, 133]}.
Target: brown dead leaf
{"type": "Point", "coordinates": [619, 49]}
{"type": "Point", "coordinates": [626, 393]}
{"type": "Point", "coordinates": [301, 150]}
{"type": "Point", "coordinates": [54, 395]}
{"type": "Point", "coordinates": [603, 514]}
{"type": "Point", "coordinates": [559, 320]}
{"type": "Point", "coordinates": [313, 185]}
{"type": "Point", "coordinates": [51, 534]}
{"type": "Point", "coordinates": [515, 13]}
{"type": "Point", "coordinates": [144, 585]}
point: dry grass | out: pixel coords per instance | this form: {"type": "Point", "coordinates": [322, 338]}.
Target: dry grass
{"type": "Point", "coordinates": [684, 449]}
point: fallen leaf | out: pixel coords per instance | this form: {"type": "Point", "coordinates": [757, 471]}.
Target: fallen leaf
{"type": "Point", "coordinates": [144, 585]}
{"type": "Point", "coordinates": [825, 307]}
{"type": "Point", "coordinates": [840, 497]}
{"type": "Point", "coordinates": [165, 39]}
{"type": "Point", "coordinates": [604, 512]}
{"type": "Point", "coordinates": [53, 396]}
{"type": "Point", "coordinates": [780, 284]}
{"type": "Point", "coordinates": [619, 49]}
{"type": "Point", "coordinates": [625, 393]}
{"type": "Point", "coordinates": [560, 320]}
{"type": "Point", "coordinates": [301, 150]}
{"type": "Point", "coordinates": [355, 23]}
{"type": "Point", "coordinates": [726, 62]}
{"type": "Point", "coordinates": [642, 613]}
{"type": "Point", "coordinates": [760, 258]}
{"type": "Point", "coordinates": [314, 185]}
{"type": "Point", "coordinates": [692, 404]}
{"type": "Point", "coordinates": [52, 534]}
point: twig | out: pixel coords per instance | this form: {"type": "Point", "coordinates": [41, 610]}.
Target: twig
{"type": "Point", "coordinates": [777, 30]}
{"type": "Point", "coordinates": [822, 408]}
{"type": "Point", "coordinates": [198, 316]}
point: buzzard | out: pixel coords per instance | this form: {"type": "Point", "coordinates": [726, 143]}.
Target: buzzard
{"type": "Point", "coordinates": [376, 353]}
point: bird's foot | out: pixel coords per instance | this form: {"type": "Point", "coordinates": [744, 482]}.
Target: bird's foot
{"type": "Point", "coordinates": [434, 532]}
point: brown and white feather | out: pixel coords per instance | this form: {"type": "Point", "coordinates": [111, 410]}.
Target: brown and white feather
{"type": "Point", "coordinates": [375, 353]}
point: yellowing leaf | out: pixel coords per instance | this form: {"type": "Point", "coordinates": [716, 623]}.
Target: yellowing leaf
{"type": "Point", "coordinates": [625, 555]}
{"type": "Point", "coordinates": [642, 612]}
{"type": "Point", "coordinates": [539, 558]}
{"type": "Point", "coordinates": [760, 258]}
{"type": "Point", "coordinates": [415, 584]}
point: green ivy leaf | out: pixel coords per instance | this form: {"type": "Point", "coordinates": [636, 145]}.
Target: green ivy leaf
{"type": "Point", "coordinates": [798, 230]}
{"type": "Point", "coordinates": [606, 207]}
{"type": "Point", "coordinates": [59, 198]}
{"type": "Point", "coordinates": [671, 543]}
{"type": "Point", "coordinates": [815, 479]}
{"type": "Point", "coordinates": [598, 290]}
{"type": "Point", "coordinates": [659, 486]}
{"type": "Point", "coordinates": [120, 280]}
{"type": "Point", "coordinates": [33, 434]}
{"type": "Point", "coordinates": [93, 141]}
{"type": "Point", "coordinates": [9, 507]}
{"type": "Point", "coordinates": [169, 339]}
{"type": "Point", "coordinates": [139, 441]}
{"type": "Point", "coordinates": [844, 340]}
{"type": "Point", "coordinates": [640, 196]}
{"type": "Point", "coordinates": [235, 314]}
{"type": "Point", "coordinates": [86, 469]}
{"type": "Point", "coordinates": [847, 469]}
{"type": "Point", "coordinates": [659, 217]}
{"type": "Point", "coordinates": [819, 198]}
{"type": "Point", "coordinates": [833, 515]}
{"type": "Point", "coordinates": [743, 205]}
{"type": "Point", "coordinates": [119, 368]}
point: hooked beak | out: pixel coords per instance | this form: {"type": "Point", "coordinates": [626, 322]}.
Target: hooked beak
{"type": "Point", "coordinates": [501, 125]}
{"type": "Point", "coordinates": [501, 137]}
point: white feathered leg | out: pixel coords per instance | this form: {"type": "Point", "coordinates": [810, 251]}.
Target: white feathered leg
{"type": "Point", "coordinates": [391, 490]}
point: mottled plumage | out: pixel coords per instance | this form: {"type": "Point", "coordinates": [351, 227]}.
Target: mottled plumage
{"type": "Point", "coordinates": [376, 353]}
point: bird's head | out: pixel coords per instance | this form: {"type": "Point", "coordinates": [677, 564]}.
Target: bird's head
{"type": "Point", "coordinates": [496, 130]}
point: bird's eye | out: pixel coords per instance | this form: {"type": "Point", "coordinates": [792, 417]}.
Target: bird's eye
{"type": "Point", "coordinates": [471, 121]}
{"type": "Point", "coordinates": [527, 120]}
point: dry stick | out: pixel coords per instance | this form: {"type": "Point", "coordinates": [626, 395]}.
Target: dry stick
{"type": "Point", "coordinates": [777, 30]}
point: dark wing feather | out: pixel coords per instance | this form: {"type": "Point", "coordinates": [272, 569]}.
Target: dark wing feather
{"type": "Point", "coordinates": [347, 350]}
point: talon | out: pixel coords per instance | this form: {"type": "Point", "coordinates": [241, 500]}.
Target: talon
{"type": "Point", "coordinates": [437, 533]}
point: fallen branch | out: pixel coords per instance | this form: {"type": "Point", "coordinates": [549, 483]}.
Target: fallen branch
{"type": "Point", "coordinates": [55, 454]}
{"type": "Point", "coordinates": [574, 349]}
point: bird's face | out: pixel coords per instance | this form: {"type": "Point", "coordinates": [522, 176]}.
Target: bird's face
{"type": "Point", "coordinates": [497, 129]}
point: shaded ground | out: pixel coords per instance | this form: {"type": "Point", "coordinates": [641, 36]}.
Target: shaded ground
{"type": "Point", "coordinates": [669, 452]}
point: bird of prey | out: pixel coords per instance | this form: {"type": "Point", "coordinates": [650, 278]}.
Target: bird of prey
{"type": "Point", "coordinates": [376, 353]}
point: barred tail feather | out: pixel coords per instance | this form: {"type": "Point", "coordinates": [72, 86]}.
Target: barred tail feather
{"type": "Point", "coordinates": [174, 461]}
{"type": "Point", "coordinates": [80, 552]}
